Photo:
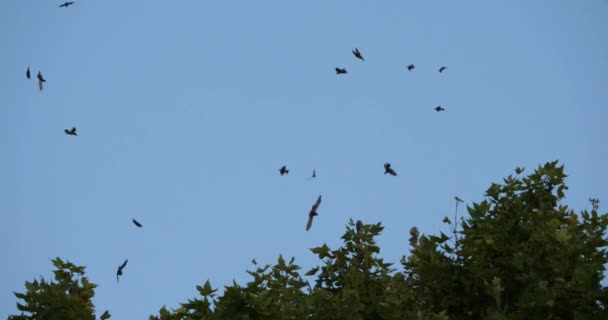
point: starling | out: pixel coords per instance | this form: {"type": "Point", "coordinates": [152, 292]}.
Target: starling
{"type": "Point", "coordinates": [137, 223]}
{"type": "Point", "coordinates": [341, 71]}
{"type": "Point", "coordinates": [119, 272]}
{"type": "Point", "coordinates": [313, 213]}
{"type": "Point", "coordinates": [389, 170]}
{"type": "Point", "coordinates": [359, 226]}
{"type": "Point", "coordinates": [314, 174]}
{"type": "Point", "coordinates": [458, 199]}
{"type": "Point", "coordinates": [66, 4]}
{"type": "Point", "coordinates": [284, 170]}
{"type": "Point", "coordinates": [442, 69]}
{"type": "Point", "coordinates": [439, 109]}
{"type": "Point", "coordinates": [40, 80]}
{"type": "Point", "coordinates": [411, 67]}
{"type": "Point", "coordinates": [71, 132]}
{"type": "Point", "coordinates": [357, 54]}
{"type": "Point", "coordinates": [27, 73]}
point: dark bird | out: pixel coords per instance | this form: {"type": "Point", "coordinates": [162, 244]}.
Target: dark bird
{"type": "Point", "coordinates": [458, 199]}
{"type": "Point", "coordinates": [389, 170]}
{"type": "Point", "coordinates": [284, 170]}
{"type": "Point", "coordinates": [137, 223]}
{"type": "Point", "coordinates": [71, 132]}
{"type": "Point", "coordinates": [411, 67]}
{"type": "Point", "coordinates": [357, 54]}
{"type": "Point", "coordinates": [66, 4]}
{"type": "Point", "coordinates": [341, 71]}
{"type": "Point", "coordinates": [313, 212]}
{"type": "Point", "coordinates": [27, 73]}
{"type": "Point", "coordinates": [314, 174]}
{"type": "Point", "coordinates": [442, 69]}
{"type": "Point", "coordinates": [359, 226]}
{"type": "Point", "coordinates": [122, 266]}
{"type": "Point", "coordinates": [40, 80]}
{"type": "Point", "coordinates": [439, 109]}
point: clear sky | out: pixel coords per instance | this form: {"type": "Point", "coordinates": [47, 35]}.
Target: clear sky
{"type": "Point", "coordinates": [187, 109]}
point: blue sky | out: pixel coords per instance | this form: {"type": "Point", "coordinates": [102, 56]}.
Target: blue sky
{"type": "Point", "coordinates": [187, 109]}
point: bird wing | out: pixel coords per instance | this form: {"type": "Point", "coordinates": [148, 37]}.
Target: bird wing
{"type": "Point", "coordinates": [309, 224]}
{"type": "Point", "coordinates": [316, 205]}
{"type": "Point", "coordinates": [40, 84]}
{"type": "Point", "coordinates": [124, 264]}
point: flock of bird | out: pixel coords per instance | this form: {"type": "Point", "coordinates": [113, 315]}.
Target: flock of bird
{"type": "Point", "coordinates": [283, 170]}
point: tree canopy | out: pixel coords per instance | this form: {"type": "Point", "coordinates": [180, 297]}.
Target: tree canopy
{"type": "Point", "coordinates": [519, 254]}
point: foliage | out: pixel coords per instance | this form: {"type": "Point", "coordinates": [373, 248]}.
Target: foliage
{"type": "Point", "coordinates": [68, 297]}
{"type": "Point", "coordinates": [520, 254]}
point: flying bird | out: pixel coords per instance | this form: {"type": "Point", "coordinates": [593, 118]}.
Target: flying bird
{"type": "Point", "coordinates": [458, 199]}
{"type": "Point", "coordinates": [341, 71]}
{"type": "Point", "coordinates": [27, 73]}
{"type": "Point", "coordinates": [313, 212]}
{"type": "Point", "coordinates": [137, 223]}
{"type": "Point", "coordinates": [314, 174]}
{"type": "Point", "coordinates": [284, 170]}
{"type": "Point", "coordinates": [122, 266]}
{"type": "Point", "coordinates": [66, 4]}
{"type": "Point", "coordinates": [389, 170]}
{"type": "Point", "coordinates": [442, 69]}
{"type": "Point", "coordinates": [411, 67]}
{"type": "Point", "coordinates": [71, 132]}
{"type": "Point", "coordinates": [40, 80]}
{"type": "Point", "coordinates": [439, 109]}
{"type": "Point", "coordinates": [357, 54]}
{"type": "Point", "coordinates": [359, 226]}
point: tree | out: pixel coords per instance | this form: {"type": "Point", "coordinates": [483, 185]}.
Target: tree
{"type": "Point", "coordinates": [520, 254]}
{"type": "Point", "coordinates": [68, 297]}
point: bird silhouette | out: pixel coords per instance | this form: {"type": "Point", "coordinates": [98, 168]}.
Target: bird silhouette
{"type": "Point", "coordinates": [71, 132]}
{"type": "Point", "coordinates": [314, 174]}
{"type": "Point", "coordinates": [341, 71]}
{"type": "Point", "coordinates": [357, 54]}
{"type": "Point", "coordinates": [27, 73]}
{"type": "Point", "coordinates": [119, 272]}
{"type": "Point", "coordinates": [389, 170]}
{"type": "Point", "coordinates": [66, 4]}
{"type": "Point", "coordinates": [458, 199]}
{"type": "Point", "coordinates": [284, 170]}
{"type": "Point", "coordinates": [442, 69]}
{"type": "Point", "coordinates": [40, 80]}
{"type": "Point", "coordinates": [137, 223]}
{"type": "Point", "coordinates": [313, 212]}
{"type": "Point", "coordinates": [411, 67]}
{"type": "Point", "coordinates": [359, 226]}
{"type": "Point", "coordinates": [439, 109]}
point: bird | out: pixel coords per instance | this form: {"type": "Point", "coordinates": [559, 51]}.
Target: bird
{"type": "Point", "coordinates": [284, 170]}
{"type": "Point", "coordinates": [411, 67]}
{"type": "Point", "coordinates": [71, 132]}
{"type": "Point", "coordinates": [341, 71]}
{"type": "Point", "coordinates": [389, 170]}
{"type": "Point", "coordinates": [122, 266]}
{"type": "Point", "coordinates": [359, 226]}
{"type": "Point", "coordinates": [439, 109]}
{"type": "Point", "coordinates": [357, 54]}
{"type": "Point", "coordinates": [458, 199]}
{"type": "Point", "coordinates": [314, 174]}
{"type": "Point", "coordinates": [442, 69]}
{"type": "Point", "coordinates": [66, 4]}
{"type": "Point", "coordinates": [40, 80]}
{"type": "Point", "coordinates": [27, 73]}
{"type": "Point", "coordinates": [313, 212]}
{"type": "Point", "coordinates": [137, 223]}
